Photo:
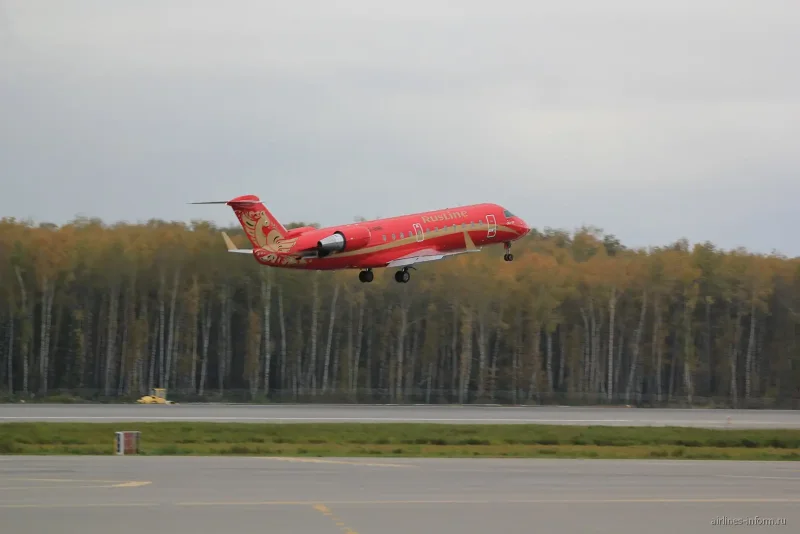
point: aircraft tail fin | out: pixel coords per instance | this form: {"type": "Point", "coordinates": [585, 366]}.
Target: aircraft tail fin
{"type": "Point", "coordinates": [259, 225]}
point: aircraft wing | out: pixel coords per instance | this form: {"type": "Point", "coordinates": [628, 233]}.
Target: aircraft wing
{"type": "Point", "coordinates": [433, 254]}
{"type": "Point", "coordinates": [423, 257]}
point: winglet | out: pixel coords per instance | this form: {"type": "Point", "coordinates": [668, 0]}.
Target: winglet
{"type": "Point", "coordinates": [228, 241]}
{"type": "Point", "coordinates": [232, 247]}
{"type": "Point", "coordinates": [468, 242]}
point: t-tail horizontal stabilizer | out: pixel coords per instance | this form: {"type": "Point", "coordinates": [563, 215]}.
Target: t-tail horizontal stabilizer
{"type": "Point", "coordinates": [228, 202]}
{"type": "Point", "coordinates": [232, 247]}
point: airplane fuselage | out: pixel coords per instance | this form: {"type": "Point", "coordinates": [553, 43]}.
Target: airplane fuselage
{"type": "Point", "coordinates": [389, 239]}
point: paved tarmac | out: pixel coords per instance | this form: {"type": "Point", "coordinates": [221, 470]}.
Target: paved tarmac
{"type": "Point", "coordinates": [131, 495]}
{"type": "Point", "coordinates": [296, 413]}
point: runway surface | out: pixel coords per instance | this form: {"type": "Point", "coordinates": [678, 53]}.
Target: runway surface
{"type": "Point", "coordinates": [403, 414]}
{"type": "Point", "coordinates": [131, 495]}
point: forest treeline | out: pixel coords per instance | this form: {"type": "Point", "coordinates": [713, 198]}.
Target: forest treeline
{"type": "Point", "coordinates": [109, 311]}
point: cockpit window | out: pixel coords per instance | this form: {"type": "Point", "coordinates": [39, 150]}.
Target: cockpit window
{"type": "Point", "coordinates": [508, 213]}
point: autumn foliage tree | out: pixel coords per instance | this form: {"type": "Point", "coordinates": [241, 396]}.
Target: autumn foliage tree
{"type": "Point", "coordinates": [102, 311]}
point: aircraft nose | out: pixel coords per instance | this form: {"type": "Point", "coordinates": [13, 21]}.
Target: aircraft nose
{"type": "Point", "coordinates": [523, 228]}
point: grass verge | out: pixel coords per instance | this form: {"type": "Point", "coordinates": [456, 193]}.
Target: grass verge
{"type": "Point", "coordinates": [408, 440]}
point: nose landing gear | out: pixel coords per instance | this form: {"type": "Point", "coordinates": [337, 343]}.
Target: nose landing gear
{"type": "Point", "coordinates": [508, 256]}
{"type": "Point", "coordinates": [366, 276]}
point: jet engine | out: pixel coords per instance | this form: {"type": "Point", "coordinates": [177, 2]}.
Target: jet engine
{"type": "Point", "coordinates": [333, 243]}
{"type": "Point", "coordinates": [352, 238]}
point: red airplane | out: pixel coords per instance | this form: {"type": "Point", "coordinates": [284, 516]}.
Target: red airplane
{"type": "Point", "coordinates": [392, 242]}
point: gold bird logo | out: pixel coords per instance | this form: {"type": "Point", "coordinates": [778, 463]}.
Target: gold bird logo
{"type": "Point", "coordinates": [261, 231]}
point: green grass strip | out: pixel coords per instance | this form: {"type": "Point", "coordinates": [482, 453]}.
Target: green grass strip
{"type": "Point", "coordinates": [404, 440]}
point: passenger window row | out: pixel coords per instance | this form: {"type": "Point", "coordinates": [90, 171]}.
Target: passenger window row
{"type": "Point", "coordinates": [454, 227]}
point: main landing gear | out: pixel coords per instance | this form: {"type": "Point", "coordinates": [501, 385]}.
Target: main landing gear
{"type": "Point", "coordinates": [508, 256]}
{"type": "Point", "coordinates": [402, 276]}
{"type": "Point", "coordinates": [366, 276]}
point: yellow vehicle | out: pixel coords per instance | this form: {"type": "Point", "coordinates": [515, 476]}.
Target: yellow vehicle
{"type": "Point", "coordinates": [157, 396]}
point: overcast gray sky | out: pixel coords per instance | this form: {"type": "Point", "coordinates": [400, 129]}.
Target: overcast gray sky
{"type": "Point", "coordinates": [652, 120]}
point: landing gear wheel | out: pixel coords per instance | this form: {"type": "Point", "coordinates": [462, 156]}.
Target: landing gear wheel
{"type": "Point", "coordinates": [366, 276]}
{"type": "Point", "coordinates": [508, 256]}
{"type": "Point", "coordinates": [402, 276]}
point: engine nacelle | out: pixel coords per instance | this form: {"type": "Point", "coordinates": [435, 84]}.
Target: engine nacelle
{"type": "Point", "coordinates": [352, 238]}
{"type": "Point", "coordinates": [332, 243]}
